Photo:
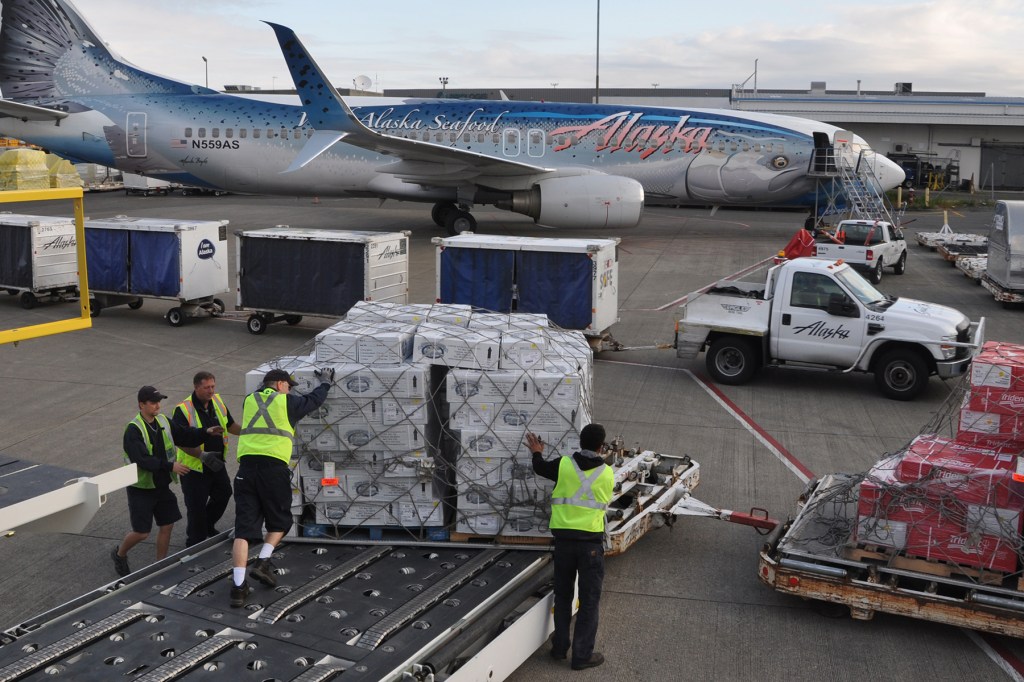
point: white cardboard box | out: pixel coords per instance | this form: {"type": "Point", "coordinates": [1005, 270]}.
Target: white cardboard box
{"type": "Point", "coordinates": [405, 410]}
{"type": "Point", "coordinates": [421, 514]}
{"type": "Point", "coordinates": [452, 346]}
{"type": "Point", "coordinates": [301, 369]}
{"type": "Point", "coordinates": [356, 514]}
{"type": "Point", "coordinates": [497, 387]}
{"type": "Point", "coordinates": [384, 343]}
{"type": "Point", "coordinates": [358, 381]}
{"type": "Point", "coordinates": [522, 349]}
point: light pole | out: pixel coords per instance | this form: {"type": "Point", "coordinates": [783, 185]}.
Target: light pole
{"type": "Point", "coordinates": [444, 84]}
{"type": "Point", "coordinates": [655, 85]}
{"type": "Point", "coordinates": [273, 83]}
{"type": "Point", "coordinates": [206, 67]}
{"type": "Point", "coordinates": [597, 58]}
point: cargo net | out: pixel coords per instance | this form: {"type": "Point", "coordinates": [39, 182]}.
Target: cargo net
{"type": "Point", "coordinates": [423, 431]}
{"type": "Point", "coordinates": [948, 503]}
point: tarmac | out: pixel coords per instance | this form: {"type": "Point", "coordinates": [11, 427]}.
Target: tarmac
{"type": "Point", "coordinates": [683, 602]}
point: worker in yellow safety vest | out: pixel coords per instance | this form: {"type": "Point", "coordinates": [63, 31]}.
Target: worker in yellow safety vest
{"type": "Point", "coordinates": [263, 486]}
{"type": "Point", "coordinates": [207, 490]}
{"type": "Point", "coordinates": [583, 489]}
{"type": "Point", "coordinates": [149, 443]}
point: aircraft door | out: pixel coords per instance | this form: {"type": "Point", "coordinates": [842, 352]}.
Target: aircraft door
{"type": "Point", "coordinates": [806, 332]}
{"type": "Point", "coordinates": [135, 134]}
{"type": "Point", "coordinates": [824, 157]}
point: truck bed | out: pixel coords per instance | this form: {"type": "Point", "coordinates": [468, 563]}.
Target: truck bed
{"type": "Point", "coordinates": [734, 307]}
{"type": "Point", "coordinates": [811, 557]}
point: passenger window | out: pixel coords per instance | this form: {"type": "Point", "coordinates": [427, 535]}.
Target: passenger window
{"type": "Point", "coordinates": [284, 133]}
{"type": "Point", "coordinates": [229, 133]}
{"type": "Point", "coordinates": [242, 132]}
{"type": "Point", "coordinates": [270, 133]}
{"type": "Point", "coordinates": [202, 132]}
{"type": "Point", "coordinates": [297, 134]}
{"type": "Point", "coordinates": [256, 133]}
{"type": "Point", "coordinates": [188, 132]}
{"type": "Point", "coordinates": [215, 132]}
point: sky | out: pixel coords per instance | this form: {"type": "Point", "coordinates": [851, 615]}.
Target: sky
{"type": "Point", "coordinates": [943, 45]}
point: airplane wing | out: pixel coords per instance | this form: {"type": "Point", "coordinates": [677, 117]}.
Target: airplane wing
{"type": "Point", "coordinates": [27, 112]}
{"type": "Point", "coordinates": [334, 121]}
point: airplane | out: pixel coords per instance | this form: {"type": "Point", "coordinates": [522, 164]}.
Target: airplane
{"type": "Point", "coordinates": [564, 165]}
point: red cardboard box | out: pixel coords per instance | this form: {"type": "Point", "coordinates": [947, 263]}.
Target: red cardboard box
{"type": "Point", "coordinates": [981, 441]}
{"type": "Point", "coordinates": [956, 449]}
{"type": "Point", "coordinates": [995, 401]}
{"type": "Point", "coordinates": [947, 542]}
{"type": "Point", "coordinates": [992, 424]}
{"type": "Point", "coordinates": [999, 365]}
{"type": "Point", "coordinates": [979, 480]}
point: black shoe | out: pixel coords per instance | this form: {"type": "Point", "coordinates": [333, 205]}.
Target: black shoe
{"type": "Point", "coordinates": [595, 660]}
{"type": "Point", "coordinates": [239, 595]}
{"type": "Point", "coordinates": [120, 563]}
{"type": "Point", "coordinates": [558, 656]}
{"type": "Point", "coordinates": [263, 571]}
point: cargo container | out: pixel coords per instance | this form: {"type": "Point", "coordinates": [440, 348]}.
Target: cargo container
{"type": "Point", "coordinates": [38, 258]}
{"type": "Point", "coordinates": [131, 259]}
{"type": "Point", "coordinates": [285, 272]}
{"type": "Point", "coordinates": [1004, 274]}
{"type": "Point", "coordinates": [573, 281]}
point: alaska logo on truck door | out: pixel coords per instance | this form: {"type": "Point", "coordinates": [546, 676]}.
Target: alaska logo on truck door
{"type": "Point", "coordinates": [822, 330]}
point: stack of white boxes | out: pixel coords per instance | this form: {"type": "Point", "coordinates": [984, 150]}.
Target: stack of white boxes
{"type": "Point", "coordinates": [432, 403]}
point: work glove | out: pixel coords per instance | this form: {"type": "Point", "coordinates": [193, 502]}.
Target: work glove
{"type": "Point", "coordinates": [211, 461]}
{"type": "Point", "coordinates": [325, 374]}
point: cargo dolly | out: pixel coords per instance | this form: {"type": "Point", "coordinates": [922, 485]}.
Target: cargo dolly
{"type": "Point", "coordinates": [809, 557]}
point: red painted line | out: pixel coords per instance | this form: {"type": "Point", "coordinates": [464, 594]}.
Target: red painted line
{"type": "Point", "coordinates": [754, 425]}
{"type": "Point", "coordinates": [1003, 652]}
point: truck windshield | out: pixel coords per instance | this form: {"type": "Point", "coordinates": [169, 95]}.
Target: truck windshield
{"type": "Point", "coordinates": [860, 287]}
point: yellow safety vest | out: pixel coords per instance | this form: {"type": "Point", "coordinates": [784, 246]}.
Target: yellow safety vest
{"type": "Point", "coordinates": [146, 477]}
{"type": "Point", "coordinates": [580, 498]}
{"type": "Point", "coordinates": [265, 426]}
{"type": "Point", "coordinates": [189, 410]}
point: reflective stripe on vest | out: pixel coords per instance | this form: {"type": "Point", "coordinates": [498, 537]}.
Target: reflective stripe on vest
{"type": "Point", "coordinates": [580, 498]}
{"type": "Point", "coordinates": [146, 477]}
{"type": "Point", "coordinates": [188, 408]}
{"type": "Point", "coordinates": [265, 426]}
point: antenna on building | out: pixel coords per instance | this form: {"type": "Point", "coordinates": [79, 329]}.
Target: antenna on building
{"type": "Point", "coordinates": [362, 83]}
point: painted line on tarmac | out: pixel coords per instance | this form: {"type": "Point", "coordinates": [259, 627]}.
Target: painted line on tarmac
{"type": "Point", "coordinates": [1000, 655]}
{"type": "Point", "coordinates": [773, 446]}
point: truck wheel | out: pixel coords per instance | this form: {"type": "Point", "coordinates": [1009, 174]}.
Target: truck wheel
{"type": "Point", "coordinates": [901, 264]}
{"type": "Point", "coordinates": [256, 324]}
{"type": "Point", "coordinates": [731, 360]}
{"type": "Point", "coordinates": [876, 274]}
{"type": "Point", "coordinates": [27, 300]}
{"type": "Point", "coordinates": [901, 374]}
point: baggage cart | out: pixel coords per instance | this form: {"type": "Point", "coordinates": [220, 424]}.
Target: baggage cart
{"type": "Point", "coordinates": [132, 259]}
{"type": "Point", "coordinates": [285, 272]}
{"type": "Point", "coordinates": [144, 185]}
{"type": "Point", "coordinates": [38, 258]}
{"type": "Point", "coordinates": [573, 281]}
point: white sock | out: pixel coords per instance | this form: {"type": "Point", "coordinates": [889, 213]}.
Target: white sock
{"type": "Point", "coordinates": [266, 550]}
{"type": "Point", "coordinates": [238, 576]}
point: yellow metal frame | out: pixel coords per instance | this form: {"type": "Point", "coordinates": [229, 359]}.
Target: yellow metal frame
{"type": "Point", "coordinates": [84, 320]}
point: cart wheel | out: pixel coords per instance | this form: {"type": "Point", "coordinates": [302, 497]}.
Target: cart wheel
{"type": "Point", "coordinates": [218, 307]}
{"type": "Point", "coordinates": [136, 304]}
{"type": "Point", "coordinates": [175, 317]}
{"type": "Point", "coordinates": [293, 319]}
{"type": "Point", "coordinates": [256, 324]}
{"type": "Point", "coordinates": [95, 309]}
{"type": "Point", "coordinates": [28, 300]}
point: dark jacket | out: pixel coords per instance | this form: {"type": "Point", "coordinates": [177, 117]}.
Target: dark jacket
{"type": "Point", "coordinates": [135, 447]}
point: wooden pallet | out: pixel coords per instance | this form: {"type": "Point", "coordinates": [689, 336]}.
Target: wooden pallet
{"type": "Point", "coordinates": [940, 569]}
{"type": "Point", "coordinates": [472, 538]}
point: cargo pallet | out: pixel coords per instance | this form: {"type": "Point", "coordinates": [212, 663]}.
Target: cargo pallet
{"type": "Point", "coordinates": [952, 251]}
{"type": "Point", "coordinates": [795, 560]}
{"type": "Point", "coordinates": [973, 267]}
{"type": "Point", "coordinates": [1008, 297]}
{"type": "Point", "coordinates": [376, 533]}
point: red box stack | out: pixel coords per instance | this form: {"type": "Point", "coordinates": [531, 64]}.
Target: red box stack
{"type": "Point", "coordinates": [955, 500]}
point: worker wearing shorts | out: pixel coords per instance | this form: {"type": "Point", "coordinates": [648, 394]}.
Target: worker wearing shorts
{"type": "Point", "coordinates": [263, 489]}
{"type": "Point", "coordinates": [149, 442]}
{"type": "Point", "coordinates": [583, 489]}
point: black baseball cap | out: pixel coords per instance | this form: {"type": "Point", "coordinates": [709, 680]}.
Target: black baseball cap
{"type": "Point", "coordinates": [275, 375]}
{"type": "Point", "coordinates": [148, 394]}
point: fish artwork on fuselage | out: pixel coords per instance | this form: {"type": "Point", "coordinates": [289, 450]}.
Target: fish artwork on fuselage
{"type": "Point", "coordinates": [564, 165]}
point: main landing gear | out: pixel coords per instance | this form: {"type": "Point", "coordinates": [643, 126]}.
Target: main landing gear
{"type": "Point", "coordinates": [452, 218]}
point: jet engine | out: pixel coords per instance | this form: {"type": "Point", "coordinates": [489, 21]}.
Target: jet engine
{"type": "Point", "coordinates": [605, 201]}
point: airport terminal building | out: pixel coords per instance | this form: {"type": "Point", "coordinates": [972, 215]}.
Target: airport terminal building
{"type": "Point", "coordinates": [942, 139]}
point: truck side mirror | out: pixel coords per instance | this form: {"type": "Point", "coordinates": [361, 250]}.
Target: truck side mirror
{"type": "Point", "coordinates": [840, 305]}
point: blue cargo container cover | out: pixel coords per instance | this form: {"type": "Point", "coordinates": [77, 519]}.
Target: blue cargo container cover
{"type": "Point", "coordinates": [106, 252]}
{"type": "Point", "coordinates": [558, 284]}
{"type": "Point", "coordinates": [481, 278]}
{"type": "Point", "coordinates": [156, 264]}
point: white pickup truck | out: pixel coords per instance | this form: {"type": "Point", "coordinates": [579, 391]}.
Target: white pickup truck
{"type": "Point", "coordinates": [818, 313]}
{"type": "Point", "coordinates": [868, 245]}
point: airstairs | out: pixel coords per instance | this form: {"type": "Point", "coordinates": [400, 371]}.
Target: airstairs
{"type": "Point", "coordinates": [848, 188]}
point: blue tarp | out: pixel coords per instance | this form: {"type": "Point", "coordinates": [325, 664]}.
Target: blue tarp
{"type": "Point", "coordinates": [106, 252]}
{"type": "Point", "coordinates": [558, 284]}
{"type": "Point", "coordinates": [481, 278]}
{"type": "Point", "coordinates": [156, 268]}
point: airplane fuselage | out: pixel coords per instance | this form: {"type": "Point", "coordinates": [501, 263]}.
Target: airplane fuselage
{"type": "Point", "coordinates": [243, 144]}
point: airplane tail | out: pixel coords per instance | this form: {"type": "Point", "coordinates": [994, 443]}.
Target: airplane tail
{"type": "Point", "coordinates": [49, 52]}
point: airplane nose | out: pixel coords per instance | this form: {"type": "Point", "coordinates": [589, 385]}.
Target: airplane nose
{"type": "Point", "coordinates": [888, 172]}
